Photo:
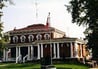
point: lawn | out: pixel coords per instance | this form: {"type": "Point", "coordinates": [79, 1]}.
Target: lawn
{"type": "Point", "coordinates": [37, 66]}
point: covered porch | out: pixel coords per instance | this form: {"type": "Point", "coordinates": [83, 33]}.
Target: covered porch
{"type": "Point", "coordinates": [56, 48]}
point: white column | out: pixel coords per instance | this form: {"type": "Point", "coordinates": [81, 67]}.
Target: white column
{"type": "Point", "coordinates": [58, 55]}
{"type": "Point", "coordinates": [19, 51]}
{"type": "Point", "coordinates": [32, 53]}
{"type": "Point", "coordinates": [38, 57]}
{"type": "Point", "coordinates": [4, 55]}
{"type": "Point", "coordinates": [28, 53]}
{"type": "Point", "coordinates": [41, 50]}
{"type": "Point", "coordinates": [17, 54]}
{"type": "Point", "coordinates": [71, 49]}
{"type": "Point", "coordinates": [76, 50]}
{"type": "Point", "coordinates": [54, 49]}
{"type": "Point", "coordinates": [81, 49]}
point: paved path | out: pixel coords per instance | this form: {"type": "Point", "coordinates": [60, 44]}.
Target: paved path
{"type": "Point", "coordinates": [93, 68]}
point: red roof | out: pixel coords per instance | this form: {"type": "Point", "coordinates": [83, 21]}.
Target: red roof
{"type": "Point", "coordinates": [31, 27]}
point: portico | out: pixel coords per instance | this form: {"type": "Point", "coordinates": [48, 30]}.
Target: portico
{"type": "Point", "coordinates": [62, 48]}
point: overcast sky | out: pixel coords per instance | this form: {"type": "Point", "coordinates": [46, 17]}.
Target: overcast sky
{"type": "Point", "coordinates": [23, 13]}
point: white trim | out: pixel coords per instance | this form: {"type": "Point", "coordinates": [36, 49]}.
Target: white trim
{"type": "Point", "coordinates": [39, 36]}
{"type": "Point", "coordinates": [15, 39]}
{"type": "Point", "coordinates": [23, 38]}
{"type": "Point", "coordinates": [47, 36]}
{"type": "Point", "coordinates": [30, 37]}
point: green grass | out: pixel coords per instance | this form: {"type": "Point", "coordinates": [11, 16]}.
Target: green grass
{"type": "Point", "coordinates": [19, 66]}
{"type": "Point", "coordinates": [37, 66]}
{"type": "Point", "coordinates": [70, 66]}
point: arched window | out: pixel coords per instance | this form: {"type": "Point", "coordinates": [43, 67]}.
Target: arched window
{"type": "Point", "coordinates": [39, 37]}
{"type": "Point", "coordinates": [30, 37]}
{"type": "Point", "coordinates": [15, 39]}
{"type": "Point", "coordinates": [47, 36]}
{"type": "Point", "coordinates": [22, 38]}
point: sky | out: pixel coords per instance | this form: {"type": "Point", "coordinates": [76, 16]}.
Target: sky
{"type": "Point", "coordinates": [23, 13]}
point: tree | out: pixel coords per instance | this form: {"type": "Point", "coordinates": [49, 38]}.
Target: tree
{"type": "Point", "coordinates": [1, 29]}
{"type": "Point", "coordinates": [85, 12]}
{"type": "Point", "coordinates": [3, 38]}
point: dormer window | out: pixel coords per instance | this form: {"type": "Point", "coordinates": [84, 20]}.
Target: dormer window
{"type": "Point", "coordinates": [47, 36]}
{"type": "Point", "coordinates": [22, 38]}
{"type": "Point", "coordinates": [30, 37]}
{"type": "Point", "coordinates": [15, 39]}
{"type": "Point", "coordinates": [39, 37]}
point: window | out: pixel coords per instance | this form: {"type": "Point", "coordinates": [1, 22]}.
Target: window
{"type": "Point", "coordinates": [23, 38]}
{"type": "Point", "coordinates": [15, 39]}
{"type": "Point", "coordinates": [39, 37]}
{"type": "Point", "coordinates": [47, 36]}
{"type": "Point", "coordinates": [30, 37]}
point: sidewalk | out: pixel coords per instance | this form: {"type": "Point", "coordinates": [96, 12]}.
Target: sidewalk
{"type": "Point", "coordinates": [93, 68]}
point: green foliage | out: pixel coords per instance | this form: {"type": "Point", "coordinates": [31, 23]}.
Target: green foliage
{"type": "Point", "coordinates": [3, 40]}
{"type": "Point", "coordinates": [85, 12]}
{"type": "Point", "coordinates": [1, 29]}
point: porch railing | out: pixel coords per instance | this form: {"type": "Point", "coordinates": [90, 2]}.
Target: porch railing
{"type": "Point", "coordinates": [19, 59]}
{"type": "Point", "coordinates": [24, 58]}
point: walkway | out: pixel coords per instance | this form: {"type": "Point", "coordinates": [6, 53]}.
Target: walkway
{"type": "Point", "coordinates": [93, 68]}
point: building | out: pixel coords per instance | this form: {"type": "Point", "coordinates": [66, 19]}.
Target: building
{"type": "Point", "coordinates": [38, 40]}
